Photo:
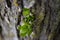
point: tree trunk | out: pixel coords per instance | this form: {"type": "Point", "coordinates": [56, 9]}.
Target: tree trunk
{"type": "Point", "coordinates": [8, 20]}
{"type": "Point", "coordinates": [46, 24]}
{"type": "Point", "coordinates": [47, 19]}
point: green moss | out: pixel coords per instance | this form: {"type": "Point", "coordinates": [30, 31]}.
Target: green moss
{"type": "Point", "coordinates": [26, 12]}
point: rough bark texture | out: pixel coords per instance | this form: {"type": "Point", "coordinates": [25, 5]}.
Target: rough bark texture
{"type": "Point", "coordinates": [46, 24]}
{"type": "Point", "coordinates": [8, 20]}
{"type": "Point", "coordinates": [47, 19]}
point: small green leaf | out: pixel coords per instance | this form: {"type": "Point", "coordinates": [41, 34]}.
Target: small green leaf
{"type": "Point", "coordinates": [26, 12]}
{"type": "Point", "coordinates": [30, 18]}
{"type": "Point", "coordinates": [25, 29]}
{"type": "Point", "coordinates": [23, 34]}
{"type": "Point", "coordinates": [30, 31]}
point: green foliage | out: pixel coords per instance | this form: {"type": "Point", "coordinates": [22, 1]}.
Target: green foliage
{"type": "Point", "coordinates": [26, 27]}
{"type": "Point", "coordinates": [29, 18]}
{"type": "Point", "coordinates": [26, 12]}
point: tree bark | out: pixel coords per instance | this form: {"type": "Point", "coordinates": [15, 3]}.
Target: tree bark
{"type": "Point", "coordinates": [46, 24]}
{"type": "Point", "coordinates": [8, 20]}
{"type": "Point", "coordinates": [47, 19]}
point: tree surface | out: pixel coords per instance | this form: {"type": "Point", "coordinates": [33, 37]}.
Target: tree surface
{"type": "Point", "coordinates": [46, 23]}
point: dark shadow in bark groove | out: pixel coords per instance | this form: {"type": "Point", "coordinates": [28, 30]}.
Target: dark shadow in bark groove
{"type": "Point", "coordinates": [1, 36]}
{"type": "Point", "coordinates": [8, 3]}
{"type": "Point", "coordinates": [57, 33]}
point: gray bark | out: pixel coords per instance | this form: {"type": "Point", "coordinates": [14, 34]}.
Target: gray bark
{"type": "Point", "coordinates": [8, 21]}
{"type": "Point", "coordinates": [46, 24]}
